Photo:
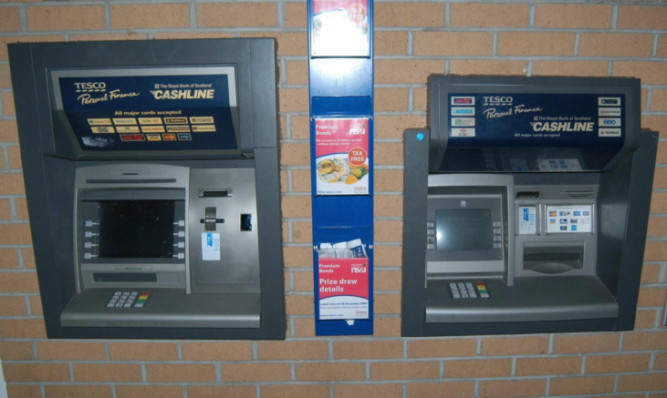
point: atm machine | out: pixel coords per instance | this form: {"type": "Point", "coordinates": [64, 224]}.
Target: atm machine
{"type": "Point", "coordinates": [526, 206]}
{"type": "Point", "coordinates": [152, 181]}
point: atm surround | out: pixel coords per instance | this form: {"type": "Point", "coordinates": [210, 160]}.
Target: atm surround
{"type": "Point", "coordinates": [159, 161]}
{"type": "Point", "coordinates": [533, 177]}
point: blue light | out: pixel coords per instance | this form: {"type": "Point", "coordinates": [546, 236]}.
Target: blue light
{"type": "Point", "coordinates": [420, 136]}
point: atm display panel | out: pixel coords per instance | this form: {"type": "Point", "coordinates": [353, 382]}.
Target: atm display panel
{"type": "Point", "coordinates": [160, 162]}
{"type": "Point", "coordinates": [564, 155]}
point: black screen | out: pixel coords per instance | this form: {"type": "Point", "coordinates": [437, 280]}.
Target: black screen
{"type": "Point", "coordinates": [464, 230]}
{"type": "Point", "coordinates": [136, 229]}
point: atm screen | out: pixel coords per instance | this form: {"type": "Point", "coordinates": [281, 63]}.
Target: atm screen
{"type": "Point", "coordinates": [136, 228]}
{"type": "Point", "coordinates": [464, 230]}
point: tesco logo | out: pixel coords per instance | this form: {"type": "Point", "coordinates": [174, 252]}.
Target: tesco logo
{"type": "Point", "coordinates": [88, 87]}
{"type": "Point", "coordinates": [498, 100]}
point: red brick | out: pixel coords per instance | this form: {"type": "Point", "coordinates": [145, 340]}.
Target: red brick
{"type": "Point", "coordinates": [10, 19]}
{"type": "Point", "coordinates": [236, 15]}
{"type": "Point", "coordinates": [617, 363]}
{"type": "Point", "coordinates": [658, 100]}
{"type": "Point", "coordinates": [284, 391]}
{"type": "Point", "coordinates": [645, 341]}
{"type": "Point", "coordinates": [255, 372]}
{"type": "Point", "coordinates": [8, 131]}
{"type": "Point", "coordinates": [16, 350]}
{"type": "Point", "coordinates": [644, 382]}
{"type": "Point", "coordinates": [270, 350]}
{"type": "Point", "coordinates": [80, 17]}
{"type": "Point", "coordinates": [390, 43]}
{"type": "Point", "coordinates": [442, 348]}
{"type": "Point", "coordinates": [388, 153]}
{"type": "Point", "coordinates": [453, 43]}
{"type": "Point", "coordinates": [19, 282]}
{"type": "Point", "coordinates": [150, 16]}
{"type": "Point", "coordinates": [296, 15]}
{"type": "Point", "coordinates": [388, 231]}
{"type": "Point", "coordinates": [535, 43]}
{"type": "Point", "coordinates": [11, 184]}
{"type": "Point", "coordinates": [642, 17]}
{"type": "Point", "coordinates": [12, 306]}
{"type": "Point", "coordinates": [405, 370]}
{"type": "Point", "coordinates": [651, 297]}
{"type": "Point", "coordinates": [476, 368]}
{"type": "Point", "coordinates": [648, 72]}
{"type": "Point", "coordinates": [368, 390]}
{"type": "Point", "coordinates": [289, 43]}
{"type": "Point", "coordinates": [575, 344]}
{"type": "Point", "coordinates": [143, 351]}
{"type": "Point", "coordinates": [449, 389]}
{"type": "Point", "coordinates": [152, 391]}
{"type": "Point", "coordinates": [573, 16]}
{"type": "Point", "coordinates": [70, 350]}
{"type": "Point", "coordinates": [548, 366]}
{"type": "Point", "coordinates": [100, 372]}
{"type": "Point", "coordinates": [520, 388]}
{"type": "Point", "coordinates": [34, 372]}
{"type": "Point", "coordinates": [400, 71]}
{"type": "Point", "coordinates": [323, 371]}
{"type": "Point", "coordinates": [221, 391]}
{"type": "Point", "coordinates": [24, 391]}
{"type": "Point", "coordinates": [487, 67]}
{"type": "Point", "coordinates": [581, 385]}
{"type": "Point", "coordinates": [22, 328]}
{"type": "Point", "coordinates": [294, 154]}
{"type": "Point", "coordinates": [515, 345]}
{"type": "Point", "coordinates": [217, 351]}
{"type": "Point", "coordinates": [8, 258]}
{"type": "Point", "coordinates": [172, 373]}
{"type": "Point", "coordinates": [480, 15]}
{"type": "Point", "coordinates": [77, 391]}
{"type": "Point", "coordinates": [615, 45]}
{"type": "Point", "coordinates": [366, 349]}
{"type": "Point", "coordinates": [409, 14]}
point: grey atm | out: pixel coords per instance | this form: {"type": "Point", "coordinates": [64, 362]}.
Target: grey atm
{"type": "Point", "coordinates": [151, 171]}
{"type": "Point", "coordinates": [526, 206]}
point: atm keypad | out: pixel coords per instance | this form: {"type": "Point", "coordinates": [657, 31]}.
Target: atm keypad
{"type": "Point", "coordinates": [468, 290]}
{"type": "Point", "coordinates": [128, 299]}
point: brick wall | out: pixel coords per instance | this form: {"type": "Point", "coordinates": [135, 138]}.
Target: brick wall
{"type": "Point", "coordinates": [412, 40]}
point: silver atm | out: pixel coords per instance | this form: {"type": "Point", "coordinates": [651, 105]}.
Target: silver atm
{"type": "Point", "coordinates": [152, 181]}
{"type": "Point", "coordinates": [526, 205]}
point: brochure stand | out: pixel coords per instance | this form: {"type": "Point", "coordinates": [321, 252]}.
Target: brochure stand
{"type": "Point", "coordinates": [341, 126]}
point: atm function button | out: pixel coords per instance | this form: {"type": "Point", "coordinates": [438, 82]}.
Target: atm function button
{"type": "Point", "coordinates": [497, 245]}
{"type": "Point", "coordinates": [431, 239]}
{"type": "Point", "coordinates": [430, 231]}
{"type": "Point", "coordinates": [496, 224]}
{"type": "Point", "coordinates": [497, 238]}
{"type": "Point", "coordinates": [430, 246]}
{"type": "Point", "coordinates": [497, 231]}
{"type": "Point", "coordinates": [430, 224]}
{"type": "Point", "coordinates": [454, 290]}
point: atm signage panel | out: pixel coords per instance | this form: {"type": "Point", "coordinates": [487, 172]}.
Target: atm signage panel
{"type": "Point", "coordinates": [497, 119]}
{"type": "Point", "coordinates": [150, 109]}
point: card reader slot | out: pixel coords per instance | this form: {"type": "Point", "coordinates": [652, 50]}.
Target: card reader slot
{"type": "Point", "coordinates": [553, 259]}
{"type": "Point", "coordinates": [124, 277]}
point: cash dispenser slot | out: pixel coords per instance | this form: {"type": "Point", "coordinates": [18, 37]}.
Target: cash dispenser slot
{"type": "Point", "coordinates": [525, 207]}
{"type": "Point", "coordinates": [553, 260]}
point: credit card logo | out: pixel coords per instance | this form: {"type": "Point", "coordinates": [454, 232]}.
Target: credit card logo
{"type": "Point", "coordinates": [463, 121]}
{"type": "Point", "coordinates": [609, 101]}
{"type": "Point", "coordinates": [609, 112]}
{"type": "Point", "coordinates": [610, 122]}
{"type": "Point", "coordinates": [463, 100]}
{"type": "Point", "coordinates": [463, 132]}
{"type": "Point", "coordinates": [463, 111]}
{"type": "Point", "coordinates": [609, 132]}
